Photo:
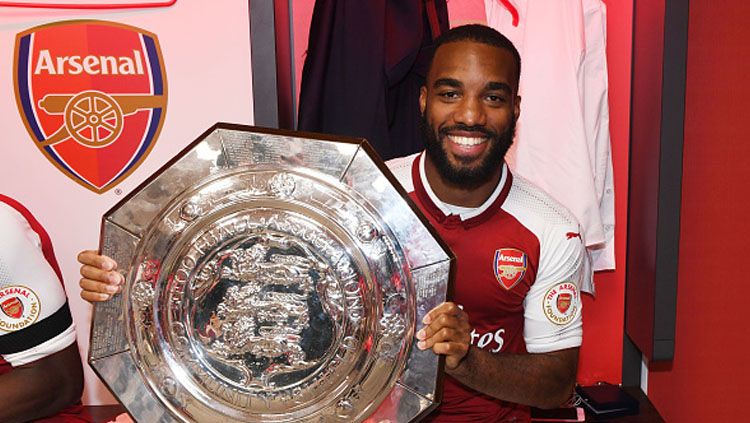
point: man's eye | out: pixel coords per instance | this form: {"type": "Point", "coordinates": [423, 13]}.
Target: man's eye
{"type": "Point", "coordinates": [449, 95]}
{"type": "Point", "coordinates": [496, 99]}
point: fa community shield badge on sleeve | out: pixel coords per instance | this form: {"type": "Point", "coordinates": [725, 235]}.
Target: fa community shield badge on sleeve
{"type": "Point", "coordinates": [92, 95]}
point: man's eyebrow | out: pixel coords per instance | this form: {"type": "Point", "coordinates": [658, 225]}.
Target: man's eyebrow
{"type": "Point", "coordinates": [499, 86]}
{"type": "Point", "coordinates": [450, 82]}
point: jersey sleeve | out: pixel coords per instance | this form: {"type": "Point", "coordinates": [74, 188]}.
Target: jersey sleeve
{"type": "Point", "coordinates": [552, 307]}
{"type": "Point", "coordinates": [401, 169]}
{"type": "Point", "coordinates": [35, 319]}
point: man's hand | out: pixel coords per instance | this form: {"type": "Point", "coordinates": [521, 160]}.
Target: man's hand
{"type": "Point", "coordinates": [100, 279]}
{"type": "Point", "coordinates": [447, 332]}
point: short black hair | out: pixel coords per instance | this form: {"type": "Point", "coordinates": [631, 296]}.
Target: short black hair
{"type": "Point", "coordinates": [480, 34]}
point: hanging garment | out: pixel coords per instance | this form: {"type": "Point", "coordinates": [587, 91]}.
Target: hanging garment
{"type": "Point", "coordinates": [365, 63]}
{"type": "Point", "coordinates": [562, 141]}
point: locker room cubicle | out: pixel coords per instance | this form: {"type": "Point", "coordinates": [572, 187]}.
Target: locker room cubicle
{"type": "Point", "coordinates": [207, 54]}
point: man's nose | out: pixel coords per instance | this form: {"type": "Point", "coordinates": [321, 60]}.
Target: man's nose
{"type": "Point", "coordinates": [471, 112]}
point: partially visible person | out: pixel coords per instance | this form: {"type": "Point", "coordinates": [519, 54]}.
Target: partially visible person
{"type": "Point", "coordinates": [41, 377]}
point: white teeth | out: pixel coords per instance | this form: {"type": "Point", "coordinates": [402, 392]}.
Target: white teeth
{"type": "Point", "coordinates": [467, 140]}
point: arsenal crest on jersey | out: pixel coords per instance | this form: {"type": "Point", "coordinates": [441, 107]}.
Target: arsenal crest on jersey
{"type": "Point", "coordinates": [12, 307]}
{"type": "Point", "coordinates": [93, 97]}
{"type": "Point", "coordinates": [510, 266]}
{"type": "Point", "coordinates": [560, 303]}
{"type": "Point", "coordinates": [563, 301]}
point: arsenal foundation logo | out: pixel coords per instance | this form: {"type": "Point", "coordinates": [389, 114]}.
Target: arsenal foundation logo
{"type": "Point", "coordinates": [93, 97]}
{"type": "Point", "coordinates": [19, 308]}
{"type": "Point", "coordinates": [561, 303]}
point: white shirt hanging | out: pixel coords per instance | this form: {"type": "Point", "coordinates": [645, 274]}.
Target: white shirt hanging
{"type": "Point", "coordinates": [562, 142]}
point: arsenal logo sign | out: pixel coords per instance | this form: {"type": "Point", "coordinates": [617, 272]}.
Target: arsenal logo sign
{"type": "Point", "coordinates": [510, 266]}
{"type": "Point", "coordinates": [93, 97]}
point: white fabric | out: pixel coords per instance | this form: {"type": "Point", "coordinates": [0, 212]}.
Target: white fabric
{"type": "Point", "coordinates": [49, 347]}
{"type": "Point", "coordinates": [401, 169]}
{"type": "Point", "coordinates": [23, 264]}
{"type": "Point", "coordinates": [561, 260]}
{"type": "Point", "coordinates": [562, 143]}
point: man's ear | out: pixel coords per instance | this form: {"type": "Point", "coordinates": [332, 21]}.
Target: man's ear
{"type": "Point", "coordinates": [422, 99]}
{"type": "Point", "coordinates": [517, 107]}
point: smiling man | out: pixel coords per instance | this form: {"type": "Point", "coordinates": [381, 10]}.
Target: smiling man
{"type": "Point", "coordinates": [511, 334]}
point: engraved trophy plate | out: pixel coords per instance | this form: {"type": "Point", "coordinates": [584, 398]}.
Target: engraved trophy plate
{"type": "Point", "coordinates": [270, 276]}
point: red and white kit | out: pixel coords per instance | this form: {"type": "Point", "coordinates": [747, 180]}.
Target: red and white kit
{"type": "Point", "coordinates": [35, 319]}
{"type": "Point", "coordinates": [520, 263]}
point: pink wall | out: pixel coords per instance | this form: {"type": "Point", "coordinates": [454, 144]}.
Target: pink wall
{"type": "Point", "coordinates": [706, 380]}
{"type": "Point", "coordinates": [205, 84]}
{"type": "Point", "coordinates": [601, 354]}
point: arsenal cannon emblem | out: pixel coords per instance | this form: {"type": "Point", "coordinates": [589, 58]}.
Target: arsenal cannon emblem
{"type": "Point", "coordinates": [92, 95]}
{"type": "Point", "coordinates": [270, 276]}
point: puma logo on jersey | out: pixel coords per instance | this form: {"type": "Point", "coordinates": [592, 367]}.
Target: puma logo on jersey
{"type": "Point", "coordinates": [572, 235]}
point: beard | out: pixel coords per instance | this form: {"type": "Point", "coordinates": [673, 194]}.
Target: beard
{"type": "Point", "coordinates": [468, 177]}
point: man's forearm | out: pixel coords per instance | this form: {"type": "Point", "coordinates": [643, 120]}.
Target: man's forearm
{"type": "Point", "coordinates": [42, 388]}
{"type": "Point", "coordinates": [540, 380]}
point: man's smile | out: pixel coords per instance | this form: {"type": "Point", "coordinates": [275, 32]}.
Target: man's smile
{"type": "Point", "coordinates": [467, 141]}
{"type": "Point", "coordinates": [466, 146]}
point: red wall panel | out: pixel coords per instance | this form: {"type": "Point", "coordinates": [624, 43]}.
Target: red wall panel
{"type": "Point", "coordinates": [643, 215]}
{"type": "Point", "coordinates": [705, 382]}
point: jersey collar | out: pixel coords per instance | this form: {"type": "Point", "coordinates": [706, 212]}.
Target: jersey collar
{"type": "Point", "coordinates": [443, 212]}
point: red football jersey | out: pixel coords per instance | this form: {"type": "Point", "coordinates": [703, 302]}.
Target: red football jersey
{"type": "Point", "coordinates": [520, 261]}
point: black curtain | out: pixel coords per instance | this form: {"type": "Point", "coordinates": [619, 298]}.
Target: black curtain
{"type": "Point", "coordinates": [366, 60]}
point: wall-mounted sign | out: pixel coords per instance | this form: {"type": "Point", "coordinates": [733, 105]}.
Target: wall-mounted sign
{"type": "Point", "coordinates": [92, 95]}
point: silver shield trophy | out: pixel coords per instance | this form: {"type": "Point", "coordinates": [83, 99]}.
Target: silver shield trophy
{"type": "Point", "coordinates": [270, 276]}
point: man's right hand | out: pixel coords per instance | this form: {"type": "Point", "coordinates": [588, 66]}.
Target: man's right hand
{"type": "Point", "coordinates": [99, 277]}
{"type": "Point", "coordinates": [446, 332]}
